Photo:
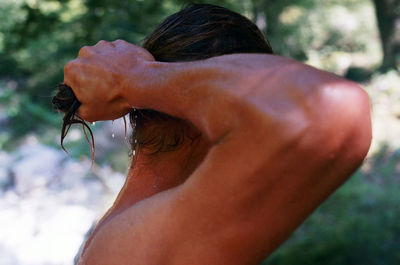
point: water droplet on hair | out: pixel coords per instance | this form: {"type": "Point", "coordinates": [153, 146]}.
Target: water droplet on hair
{"type": "Point", "coordinates": [133, 152]}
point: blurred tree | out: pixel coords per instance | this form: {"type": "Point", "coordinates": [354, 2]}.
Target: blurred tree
{"type": "Point", "coordinates": [358, 224]}
{"type": "Point", "coordinates": [38, 37]}
{"type": "Point", "coordinates": [388, 16]}
{"type": "Point", "coordinates": [285, 35]}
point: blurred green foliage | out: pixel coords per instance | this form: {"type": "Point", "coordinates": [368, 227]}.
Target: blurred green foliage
{"type": "Point", "coordinates": [38, 37]}
{"type": "Point", "coordinates": [357, 225]}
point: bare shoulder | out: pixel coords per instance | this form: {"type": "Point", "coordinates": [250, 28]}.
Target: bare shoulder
{"type": "Point", "coordinates": [141, 234]}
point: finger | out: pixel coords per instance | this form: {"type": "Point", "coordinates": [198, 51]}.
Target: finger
{"type": "Point", "coordinates": [85, 113]}
{"type": "Point", "coordinates": [137, 50]}
{"type": "Point", "coordinates": [120, 42]}
{"type": "Point", "coordinates": [85, 51]}
{"type": "Point", "coordinates": [103, 43]}
{"type": "Point", "coordinates": [129, 47]}
{"type": "Point", "coordinates": [68, 73]}
{"type": "Point", "coordinates": [73, 74]}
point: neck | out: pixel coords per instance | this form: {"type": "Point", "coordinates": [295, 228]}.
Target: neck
{"type": "Point", "coordinates": [150, 174]}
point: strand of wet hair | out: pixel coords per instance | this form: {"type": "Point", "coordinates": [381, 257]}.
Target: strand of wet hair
{"type": "Point", "coordinates": [65, 101]}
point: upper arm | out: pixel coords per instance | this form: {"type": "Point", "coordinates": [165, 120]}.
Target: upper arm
{"type": "Point", "coordinates": [255, 188]}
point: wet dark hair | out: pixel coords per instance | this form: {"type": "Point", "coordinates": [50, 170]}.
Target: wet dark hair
{"type": "Point", "coordinates": [66, 102]}
{"type": "Point", "coordinates": [197, 32]}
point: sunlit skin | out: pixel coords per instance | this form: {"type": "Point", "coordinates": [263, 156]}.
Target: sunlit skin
{"type": "Point", "coordinates": [277, 138]}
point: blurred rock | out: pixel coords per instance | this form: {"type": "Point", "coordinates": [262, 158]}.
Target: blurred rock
{"type": "Point", "coordinates": [36, 166]}
{"type": "Point", "coordinates": [49, 200]}
{"type": "Point", "coordinates": [72, 174]}
{"type": "Point", "coordinates": [6, 256]}
{"type": "Point", "coordinates": [6, 178]}
{"type": "Point", "coordinates": [54, 201]}
{"type": "Point", "coordinates": [112, 137]}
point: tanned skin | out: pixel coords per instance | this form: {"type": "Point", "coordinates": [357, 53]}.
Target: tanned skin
{"type": "Point", "coordinates": [277, 138]}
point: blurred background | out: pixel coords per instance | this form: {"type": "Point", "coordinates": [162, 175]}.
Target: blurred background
{"type": "Point", "coordinates": [50, 199]}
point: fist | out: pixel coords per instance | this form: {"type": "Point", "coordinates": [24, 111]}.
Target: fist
{"type": "Point", "coordinates": [100, 75]}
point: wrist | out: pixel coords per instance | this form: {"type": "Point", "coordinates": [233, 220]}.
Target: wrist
{"type": "Point", "coordinates": [140, 84]}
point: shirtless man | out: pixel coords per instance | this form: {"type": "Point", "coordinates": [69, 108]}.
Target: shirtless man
{"type": "Point", "coordinates": [266, 139]}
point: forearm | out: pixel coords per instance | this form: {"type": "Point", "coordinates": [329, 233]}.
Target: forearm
{"type": "Point", "coordinates": [218, 93]}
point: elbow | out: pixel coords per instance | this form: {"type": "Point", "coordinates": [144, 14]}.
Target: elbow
{"type": "Point", "coordinates": [362, 125]}
{"type": "Point", "coordinates": [346, 121]}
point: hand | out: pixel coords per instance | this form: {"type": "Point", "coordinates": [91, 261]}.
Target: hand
{"type": "Point", "coordinates": [98, 75]}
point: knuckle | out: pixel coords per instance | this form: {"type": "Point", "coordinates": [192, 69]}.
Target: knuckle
{"type": "Point", "coordinates": [69, 66]}
{"type": "Point", "coordinates": [90, 120]}
{"type": "Point", "coordinates": [83, 113]}
{"type": "Point", "coordinates": [85, 50]}
{"type": "Point", "coordinates": [119, 41]}
{"type": "Point", "coordinates": [103, 43]}
{"type": "Point", "coordinates": [71, 69]}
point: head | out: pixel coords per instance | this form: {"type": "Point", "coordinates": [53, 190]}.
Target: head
{"type": "Point", "coordinates": [197, 32]}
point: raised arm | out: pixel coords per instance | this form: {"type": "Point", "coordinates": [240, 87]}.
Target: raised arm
{"type": "Point", "coordinates": [284, 135]}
